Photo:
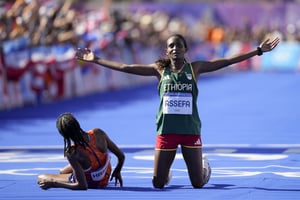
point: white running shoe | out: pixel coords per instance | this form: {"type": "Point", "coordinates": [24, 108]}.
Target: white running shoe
{"type": "Point", "coordinates": [206, 169]}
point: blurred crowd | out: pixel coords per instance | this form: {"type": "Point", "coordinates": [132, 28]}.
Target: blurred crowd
{"type": "Point", "coordinates": [39, 39]}
{"type": "Point", "coordinates": [46, 22]}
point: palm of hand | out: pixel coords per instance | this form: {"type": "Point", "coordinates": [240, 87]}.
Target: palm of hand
{"type": "Point", "coordinates": [268, 45]}
{"type": "Point", "coordinates": [88, 56]}
{"type": "Point", "coordinates": [85, 54]}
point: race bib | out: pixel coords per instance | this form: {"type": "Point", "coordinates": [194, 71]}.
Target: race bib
{"type": "Point", "coordinates": [178, 103]}
{"type": "Point", "coordinates": [99, 174]}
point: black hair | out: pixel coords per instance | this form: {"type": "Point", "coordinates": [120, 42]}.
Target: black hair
{"type": "Point", "coordinates": [181, 38]}
{"type": "Point", "coordinates": [164, 62]}
{"type": "Point", "coordinates": [70, 129]}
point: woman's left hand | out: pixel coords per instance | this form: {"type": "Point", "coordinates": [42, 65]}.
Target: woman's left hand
{"type": "Point", "coordinates": [117, 175]}
{"type": "Point", "coordinates": [268, 45]}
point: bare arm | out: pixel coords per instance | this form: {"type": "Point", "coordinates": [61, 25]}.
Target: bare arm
{"type": "Point", "coordinates": [209, 66]}
{"type": "Point", "coordinates": [104, 144]}
{"type": "Point", "coordinates": [87, 55]}
{"type": "Point", "coordinates": [81, 183]}
{"type": "Point", "coordinates": [121, 158]}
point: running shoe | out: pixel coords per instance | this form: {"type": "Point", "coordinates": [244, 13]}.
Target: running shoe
{"type": "Point", "coordinates": [206, 169]}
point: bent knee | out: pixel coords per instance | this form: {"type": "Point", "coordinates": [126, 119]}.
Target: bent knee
{"type": "Point", "coordinates": [157, 183]}
{"type": "Point", "coordinates": [197, 185]}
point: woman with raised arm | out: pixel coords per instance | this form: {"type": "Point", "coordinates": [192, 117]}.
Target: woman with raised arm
{"type": "Point", "coordinates": [177, 120]}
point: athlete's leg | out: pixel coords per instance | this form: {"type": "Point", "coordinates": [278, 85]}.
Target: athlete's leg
{"type": "Point", "coordinates": [53, 178]}
{"type": "Point", "coordinates": [193, 159]}
{"type": "Point", "coordinates": [66, 170]}
{"type": "Point", "coordinates": [163, 160]}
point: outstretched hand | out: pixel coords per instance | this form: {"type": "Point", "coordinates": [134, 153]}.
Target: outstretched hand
{"type": "Point", "coordinates": [85, 54]}
{"type": "Point", "coordinates": [117, 175]}
{"type": "Point", "coordinates": [268, 45]}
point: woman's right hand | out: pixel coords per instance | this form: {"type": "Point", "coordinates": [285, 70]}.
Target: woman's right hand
{"type": "Point", "coordinates": [85, 55]}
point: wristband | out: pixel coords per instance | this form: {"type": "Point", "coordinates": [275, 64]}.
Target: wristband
{"type": "Point", "coordinates": [259, 51]}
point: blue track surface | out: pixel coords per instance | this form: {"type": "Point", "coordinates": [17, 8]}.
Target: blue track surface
{"type": "Point", "coordinates": [250, 134]}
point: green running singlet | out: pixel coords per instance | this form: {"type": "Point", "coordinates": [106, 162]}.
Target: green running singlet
{"type": "Point", "coordinates": [178, 112]}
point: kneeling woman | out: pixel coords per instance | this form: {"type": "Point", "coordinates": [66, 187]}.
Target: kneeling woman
{"type": "Point", "coordinates": [89, 162]}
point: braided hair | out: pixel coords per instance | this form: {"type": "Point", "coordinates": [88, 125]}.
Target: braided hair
{"type": "Point", "coordinates": [70, 130]}
{"type": "Point", "coordinates": [165, 62]}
